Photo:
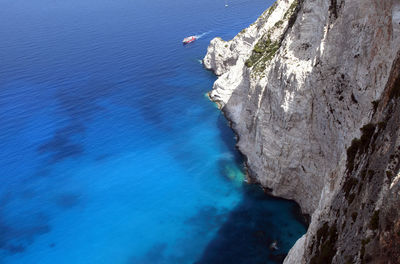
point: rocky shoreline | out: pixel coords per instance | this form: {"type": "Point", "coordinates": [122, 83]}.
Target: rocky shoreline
{"type": "Point", "coordinates": [305, 88]}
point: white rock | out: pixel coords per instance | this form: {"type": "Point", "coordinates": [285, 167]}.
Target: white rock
{"type": "Point", "coordinates": [296, 118]}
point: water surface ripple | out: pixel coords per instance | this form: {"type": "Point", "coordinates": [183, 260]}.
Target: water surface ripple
{"type": "Point", "coordinates": [111, 153]}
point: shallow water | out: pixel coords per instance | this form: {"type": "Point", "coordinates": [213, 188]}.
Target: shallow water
{"type": "Point", "coordinates": [111, 153]}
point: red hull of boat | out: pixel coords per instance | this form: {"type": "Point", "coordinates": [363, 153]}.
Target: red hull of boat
{"type": "Point", "coordinates": [188, 40]}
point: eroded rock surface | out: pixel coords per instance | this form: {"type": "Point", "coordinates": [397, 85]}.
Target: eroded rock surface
{"type": "Point", "coordinates": [298, 85]}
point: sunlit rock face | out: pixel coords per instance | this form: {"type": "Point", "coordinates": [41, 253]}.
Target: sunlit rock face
{"type": "Point", "coordinates": [298, 85]}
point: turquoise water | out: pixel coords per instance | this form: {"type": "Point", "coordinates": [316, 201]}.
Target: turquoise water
{"type": "Point", "coordinates": [111, 153]}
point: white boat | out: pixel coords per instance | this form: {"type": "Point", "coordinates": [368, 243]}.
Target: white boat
{"type": "Point", "coordinates": [189, 39]}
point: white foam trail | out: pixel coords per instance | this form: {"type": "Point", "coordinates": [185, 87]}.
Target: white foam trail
{"type": "Point", "coordinates": [202, 34]}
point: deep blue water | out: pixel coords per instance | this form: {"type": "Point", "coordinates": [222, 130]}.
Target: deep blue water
{"type": "Point", "coordinates": [110, 150]}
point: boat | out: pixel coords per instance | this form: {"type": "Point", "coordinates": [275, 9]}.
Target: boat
{"type": "Point", "coordinates": [189, 39]}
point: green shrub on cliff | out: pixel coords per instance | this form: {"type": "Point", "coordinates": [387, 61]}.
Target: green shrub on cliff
{"type": "Point", "coordinates": [263, 52]}
{"type": "Point", "coordinates": [291, 9]}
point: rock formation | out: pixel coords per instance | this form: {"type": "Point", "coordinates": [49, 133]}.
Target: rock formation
{"type": "Point", "coordinates": [312, 90]}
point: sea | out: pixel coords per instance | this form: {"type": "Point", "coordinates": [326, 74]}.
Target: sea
{"type": "Point", "coordinates": [110, 150]}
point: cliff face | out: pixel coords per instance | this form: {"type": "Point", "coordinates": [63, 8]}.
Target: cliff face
{"type": "Point", "coordinates": [311, 90]}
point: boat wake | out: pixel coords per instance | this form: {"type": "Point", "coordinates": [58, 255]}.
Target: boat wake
{"type": "Point", "coordinates": [202, 34]}
{"type": "Point", "coordinates": [190, 39]}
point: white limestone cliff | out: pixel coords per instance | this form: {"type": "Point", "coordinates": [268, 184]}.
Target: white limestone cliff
{"type": "Point", "coordinates": [298, 85]}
